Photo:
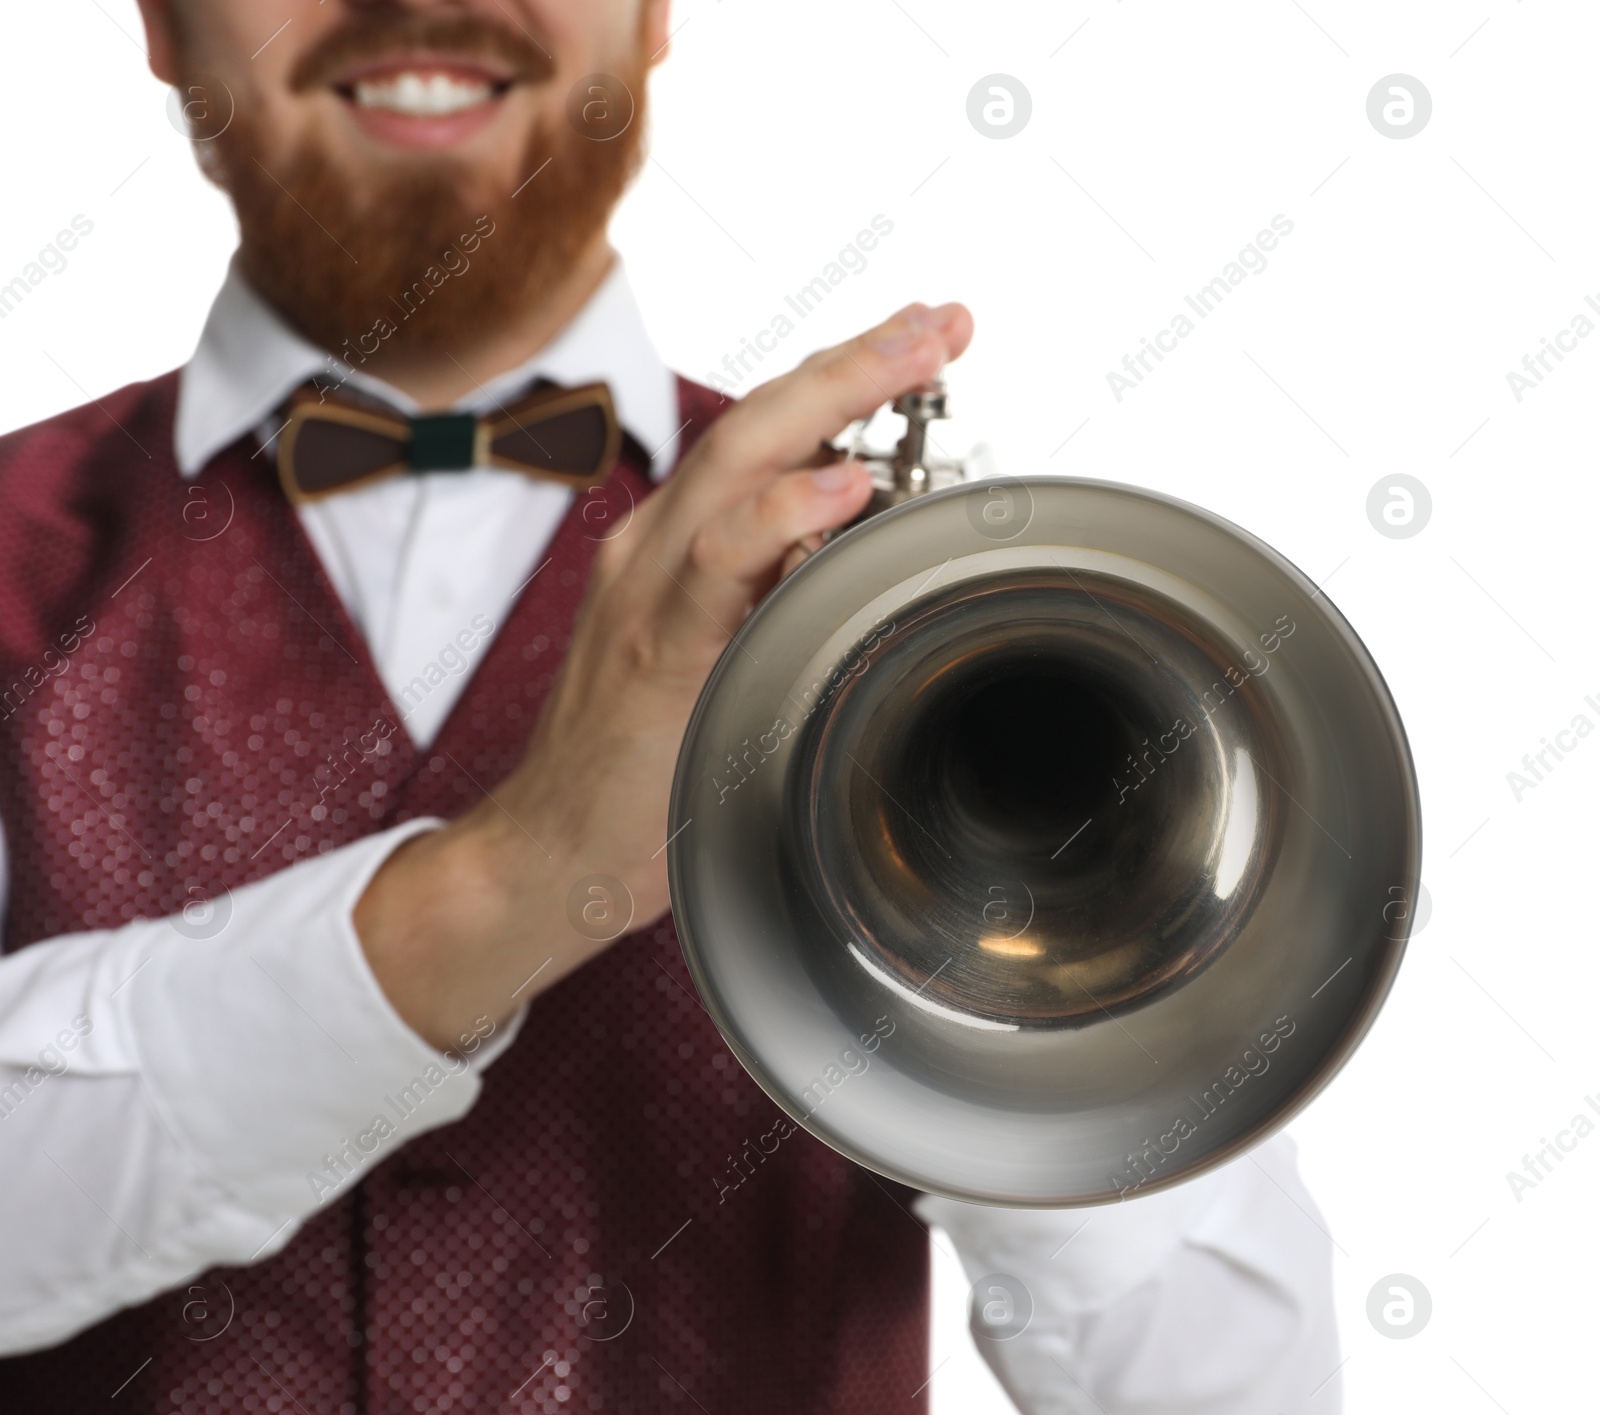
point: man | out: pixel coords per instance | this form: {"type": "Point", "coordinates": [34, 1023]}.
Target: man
{"type": "Point", "coordinates": [322, 1086]}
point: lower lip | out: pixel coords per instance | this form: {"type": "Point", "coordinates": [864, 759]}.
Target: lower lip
{"type": "Point", "coordinates": [384, 125]}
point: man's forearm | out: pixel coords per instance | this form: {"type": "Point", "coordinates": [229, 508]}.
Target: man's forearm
{"type": "Point", "coordinates": [466, 922]}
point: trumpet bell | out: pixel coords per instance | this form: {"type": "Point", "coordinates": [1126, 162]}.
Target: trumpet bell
{"type": "Point", "coordinates": [1043, 842]}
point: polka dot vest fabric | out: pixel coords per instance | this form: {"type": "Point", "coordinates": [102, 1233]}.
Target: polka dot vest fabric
{"type": "Point", "coordinates": [190, 709]}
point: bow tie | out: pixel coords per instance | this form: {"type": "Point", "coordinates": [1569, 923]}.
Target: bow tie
{"type": "Point", "coordinates": [334, 441]}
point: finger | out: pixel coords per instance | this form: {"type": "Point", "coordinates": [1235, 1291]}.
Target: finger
{"type": "Point", "coordinates": [741, 551]}
{"type": "Point", "coordinates": [799, 553]}
{"type": "Point", "coordinates": [779, 425]}
{"type": "Point", "coordinates": [825, 455]}
{"type": "Point", "coordinates": [785, 418]}
{"type": "Point", "coordinates": [958, 328]}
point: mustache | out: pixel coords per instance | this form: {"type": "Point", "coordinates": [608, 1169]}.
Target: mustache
{"type": "Point", "coordinates": [384, 31]}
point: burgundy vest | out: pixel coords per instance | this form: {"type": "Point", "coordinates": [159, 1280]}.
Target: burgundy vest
{"type": "Point", "coordinates": [175, 673]}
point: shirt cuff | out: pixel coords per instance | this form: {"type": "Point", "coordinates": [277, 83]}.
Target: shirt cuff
{"type": "Point", "coordinates": [1088, 1257]}
{"type": "Point", "coordinates": [270, 1050]}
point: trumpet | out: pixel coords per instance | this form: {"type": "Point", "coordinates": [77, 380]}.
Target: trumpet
{"type": "Point", "coordinates": [1042, 841]}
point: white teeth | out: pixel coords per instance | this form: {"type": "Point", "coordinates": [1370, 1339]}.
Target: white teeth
{"type": "Point", "coordinates": [417, 96]}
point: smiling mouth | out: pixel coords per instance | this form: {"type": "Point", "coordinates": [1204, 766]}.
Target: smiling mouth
{"type": "Point", "coordinates": [423, 90]}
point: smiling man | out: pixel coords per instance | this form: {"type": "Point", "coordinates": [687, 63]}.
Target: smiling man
{"type": "Point", "coordinates": [348, 1061]}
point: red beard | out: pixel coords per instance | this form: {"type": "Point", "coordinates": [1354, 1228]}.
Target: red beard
{"type": "Point", "coordinates": [422, 257]}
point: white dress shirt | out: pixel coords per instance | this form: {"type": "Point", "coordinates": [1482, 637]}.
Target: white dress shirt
{"type": "Point", "coordinates": [163, 1100]}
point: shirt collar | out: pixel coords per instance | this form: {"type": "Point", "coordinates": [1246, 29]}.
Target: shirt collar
{"type": "Point", "coordinates": [249, 360]}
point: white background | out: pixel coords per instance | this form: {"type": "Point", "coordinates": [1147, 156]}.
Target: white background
{"type": "Point", "coordinates": [1163, 137]}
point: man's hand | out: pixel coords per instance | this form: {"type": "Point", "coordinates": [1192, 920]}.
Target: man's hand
{"type": "Point", "coordinates": [456, 920]}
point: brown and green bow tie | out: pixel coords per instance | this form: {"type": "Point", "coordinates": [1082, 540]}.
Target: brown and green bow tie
{"type": "Point", "coordinates": [332, 441]}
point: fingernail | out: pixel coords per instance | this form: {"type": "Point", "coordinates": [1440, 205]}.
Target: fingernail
{"type": "Point", "coordinates": [905, 331]}
{"type": "Point", "coordinates": [902, 343]}
{"type": "Point", "coordinates": [834, 478]}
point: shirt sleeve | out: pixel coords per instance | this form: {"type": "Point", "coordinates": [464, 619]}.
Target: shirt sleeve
{"type": "Point", "coordinates": [184, 1092]}
{"type": "Point", "coordinates": [1213, 1298]}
